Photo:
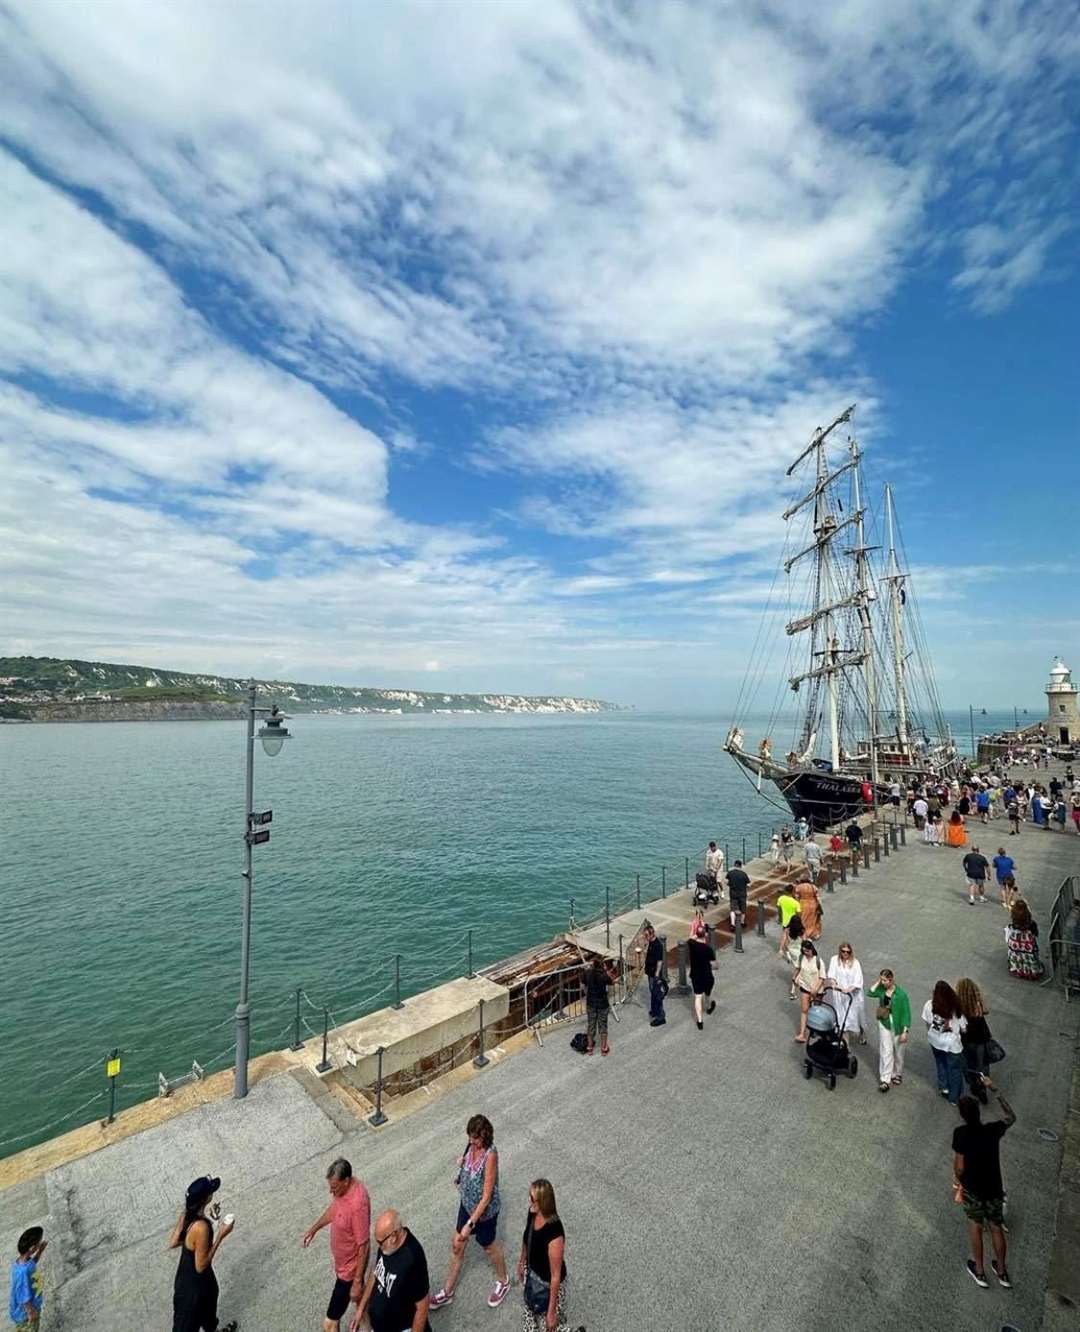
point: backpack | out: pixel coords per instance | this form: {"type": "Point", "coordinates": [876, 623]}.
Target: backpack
{"type": "Point", "coordinates": [579, 1042]}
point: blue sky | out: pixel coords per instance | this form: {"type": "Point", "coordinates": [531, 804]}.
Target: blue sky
{"type": "Point", "coordinates": [463, 345]}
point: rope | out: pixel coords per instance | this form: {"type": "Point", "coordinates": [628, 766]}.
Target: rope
{"type": "Point", "coordinates": [44, 1128]}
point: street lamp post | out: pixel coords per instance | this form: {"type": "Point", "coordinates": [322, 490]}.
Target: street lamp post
{"type": "Point", "coordinates": [273, 735]}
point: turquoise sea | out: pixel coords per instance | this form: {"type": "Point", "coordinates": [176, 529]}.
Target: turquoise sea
{"type": "Point", "coordinates": [121, 849]}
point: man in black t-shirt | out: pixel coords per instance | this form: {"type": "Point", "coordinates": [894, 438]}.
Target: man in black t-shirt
{"type": "Point", "coordinates": [397, 1293]}
{"type": "Point", "coordinates": [975, 867]}
{"type": "Point", "coordinates": [738, 885]}
{"type": "Point", "coordinates": [977, 1170]}
{"type": "Point", "coordinates": [654, 972]}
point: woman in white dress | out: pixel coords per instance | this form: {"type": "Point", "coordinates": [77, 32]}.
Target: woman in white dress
{"type": "Point", "coordinates": [846, 978]}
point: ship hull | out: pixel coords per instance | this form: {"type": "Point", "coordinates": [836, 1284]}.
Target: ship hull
{"type": "Point", "coordinates": [822, 798]}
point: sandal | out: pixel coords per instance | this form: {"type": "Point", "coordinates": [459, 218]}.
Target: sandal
{"type": "Point", "coordinates": [897, 1081]}
{"type": "Point", "coordinates": [883, 1086]}
{"type": "Point", "coordinates": [605, 1049]}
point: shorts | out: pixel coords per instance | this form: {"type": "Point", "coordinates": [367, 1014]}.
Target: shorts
{"type": "Point", "coordinates": [738, 902]}
{"type": "Point", "coordinates": [702, 984]}
{"type": "Point", "coordinates": [984, 1211]}
{"type": "Point", "coordinates": [339, 1300]}
{"type": "Point", "coordinates": [483, 1231]}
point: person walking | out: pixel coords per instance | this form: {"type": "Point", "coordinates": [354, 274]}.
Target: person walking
{"type": "Point", "coordinates": [1005, 873]}
{"type": "Point", "coordinates": [774, 849]}
{"type": "Point", "coordinates": [846, 977]}
{"type": "Point", "coordinates": [809, 979]}
{"type": "Point", "coordinates": [349, 1218]}
{"type": "Point", "coordinates": [541, 1266]}
{"type": "Point", "coordinates": [714, 865]}
{"type": "Point", "coordinates": [478, 1213]}
{"type": "Point", "coordinates": [919, 810]}
{"type": "Point", "coordinates": [598, 977]}
{"type": "Point", "coordinates": [1012, 809]}
{"type": "Point", "coordinates": [976, 1036]}
{"type": "Point", "coordinates": [894, 1022]}
{"type": "Point", "coordinates": [26, 1298]}
{"type": "Point", "coordinates": [945, 1027]}
{"type": "Point", "coordinates": [787, 844]}
{"type": "Point", "coordinates": [1074, 809]}
{"type": "Point", "coordinates": [977, 1182]}
{"type": "Point", "coordinates": [982, 804]}
{"type": "Point", "coordinates": [195, 1288]}
{"type": "Point", "coordinates": [738, 886]}
{"type": "Point", "coordinates": [1022, 941]}
{"type": "Point", "coordinates": [812, 853]}
{"type": "Point", "coordinates": [654, 974]}
{"type": "Point", "coordinates": [397, 1294]}
{"type": "Point", "coordinates": [809, 908]}
{"type": "Point", "coordinates": [853, 833]}
{"type": "Point", "coordinates": [975, 867]}
{"type": "Point", "coordinates": [701, 955]}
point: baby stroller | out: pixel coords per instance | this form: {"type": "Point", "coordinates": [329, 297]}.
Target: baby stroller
{"type": "Point", "coordinates": [826, 1048]}
{"type": "Point", "coordinates": [706, 890]}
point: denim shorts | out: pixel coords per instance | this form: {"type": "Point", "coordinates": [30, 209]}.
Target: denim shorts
{"type": "Point", "coordinates": [483, 1231]}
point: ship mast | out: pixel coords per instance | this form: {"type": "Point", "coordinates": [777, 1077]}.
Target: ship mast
{"type": "Point", "coordinates": [895, 579]}
{"type": "Point", "coordinates": [866, 595]}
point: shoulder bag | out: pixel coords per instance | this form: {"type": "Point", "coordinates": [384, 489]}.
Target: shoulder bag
{"type": "Point", "coordinates": [995, 1051]}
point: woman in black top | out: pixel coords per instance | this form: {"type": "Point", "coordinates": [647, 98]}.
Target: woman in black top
{"type": "Point", "coordinates": [195, 1291]}
{"type": "Point", "coordinates": [701, 956]}
{"type": "Point", "coordinates": [975, 1037]}
{"type": "Point", "coordinates": [541, 1267]}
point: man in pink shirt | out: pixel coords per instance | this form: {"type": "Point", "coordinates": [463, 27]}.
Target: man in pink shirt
{"type": "Point", "coordinates": [349, 1219]}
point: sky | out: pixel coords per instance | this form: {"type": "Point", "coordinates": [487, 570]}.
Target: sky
{"type": "Point", "coordinates": [464, 345]}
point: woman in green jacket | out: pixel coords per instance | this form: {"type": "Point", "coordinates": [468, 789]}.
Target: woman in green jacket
{"type": "Point", "coordinates": [894, 1023]}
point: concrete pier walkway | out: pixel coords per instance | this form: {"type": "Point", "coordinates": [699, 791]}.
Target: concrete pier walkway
{"type": "Point", "coordinates": [702, 1181]}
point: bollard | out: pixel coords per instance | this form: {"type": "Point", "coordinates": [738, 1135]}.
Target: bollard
{"type": "Point", "coordinates": [903, 833]}
{"type": "Point", "coordinates": [687, 873]}
{"type": "Point", "coordinates": [607, 917]}
{"type": "Point", "coordinates": [324, 1065]}
{"type": "Point", "coordinates": [877, 852]}
{"type": "Point", "coordinates": [894, 838]}
{"type": "Point", "coordinates": [573, 922]}
{"type": "Point", "coordinates": [761, 916]}
{"type": "Point", "coordinates": [828, 877]}
{"type": "Point", "coordinates": [637, 885]}
{"type": "Point", "coordinates": [378, 1117]}
{"type": "Point", "coordinates": [681, 986]}
{"type": "Point", "coordinates": [112, 1069]}
{"type": "Point", "coordinates": [738, 932]}
{"type": "Point", "coordinates": [663, 881]}
{"type": "Point", "coordinates": [885, 842]}
{"type": "Point", "coordinates": [469, 973]}
{"type": "Point", "coordinates": [622, 973]}
{"type": "Point", "coordinates": [297, 1044]}
{"type": "Point", "coordinates": [663, 955]}
{"type": "Point", "coordinates": [854, 865]}
{"type": "Point", "coordinates": [866, 855]}
{"type": "Point", "coordinates": [843, 871]}
{"type": "Point", "coordinates": [397, 981]}
{"type": "Point", "coordinates": [759, 845]}
{"type": "Point", "coordinates": [481, 1060]}
{"type": "Point", "coordinates": [744, 850]}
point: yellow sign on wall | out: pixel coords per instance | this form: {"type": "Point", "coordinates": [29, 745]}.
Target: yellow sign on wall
{"type": "Point", "coordinates": [112, 1068]}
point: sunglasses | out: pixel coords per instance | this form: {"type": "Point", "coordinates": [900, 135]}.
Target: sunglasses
{"type": "Point", "coordinates": [388, 1236]}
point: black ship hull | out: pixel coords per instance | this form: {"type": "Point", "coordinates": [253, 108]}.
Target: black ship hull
{"type": "Point", "coordinates": [824, 798]}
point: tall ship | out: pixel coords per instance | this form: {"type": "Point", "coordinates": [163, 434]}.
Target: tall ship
{"type": "Point", "coordinates": [867, 711]}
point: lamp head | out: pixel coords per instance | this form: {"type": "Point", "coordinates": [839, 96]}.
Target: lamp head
{"type": "Point", "coordinates": [274, 733]}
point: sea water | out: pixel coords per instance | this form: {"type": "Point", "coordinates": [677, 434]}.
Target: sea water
{"type": "Point", "coordinates": [121, 850]}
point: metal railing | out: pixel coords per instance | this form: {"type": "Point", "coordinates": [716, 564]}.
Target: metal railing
{"type": "Point", "coordinates": [1064, 937]}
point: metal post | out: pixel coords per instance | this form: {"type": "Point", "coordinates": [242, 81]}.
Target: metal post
{"type": "Point", "coordinates": [243, 1008]}
{"type": "Point", "coordinates": [663, 881]}
{"type": "Point", "coordinates": [622, 973]}
{"type": "Point", "coordinates": [663, 954]}
{"type": "Point", "coordinates": [297, 1044]}
{"type": "Point", "coordinates": [113, 1063]}
{"type": "Point", "coordinates": [761, 916]}
{"type": "Point", "coordinates": [378, 1118]}
{"type": "Point", "coordinates": [893, 838]}
{"type": "Point", "coordinates": [828, 877]}
{"type": "Point", "coordinates": [866, 854]}
{"type": "Point", "coordinates": [903, 834]}
{"type": "Point", "coordinates": [469, 973]}
{"type": "Point", "coordinates": [573, 922]}
{"type": "Point", "coordinates": [323, 1066]}
{"type": "Point", "coordinates": [727, 854]}
{"type": "Point", "coordinates": [637, 885]}
{"type": "Point", "coordinates": [744, 850]}
{"type": "Point", "coordinates": [759, 845]}
{"type": "Point", "coordinates": [884, 839]}
{"type": "Point", "coordinates": [687, 873]}
{"type": "Point", "coordinates": [843, 871]}
{"type": "Point", "coordinates": [607, 917]}
{"type": "Point", "coordinates": [681, 987]}
{"type": "Point", "coordinates": [738, 932]}
{"type": "Point", "coordinates": [854, 865]}
{"type": "Point", "coordinates": [397, 981]}
{"type": "Point", "coordinates": [481, 1060]}
{"type": "Point", "coordinates": [877, 851]}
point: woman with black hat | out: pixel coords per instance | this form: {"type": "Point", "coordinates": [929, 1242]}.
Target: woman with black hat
{"type": "Point", "coordinates": [195, 1291]}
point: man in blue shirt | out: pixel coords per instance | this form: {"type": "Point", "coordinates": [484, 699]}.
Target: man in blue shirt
{"type": "Point", "coordinates": [24, 1306]}
{"type": "Point", "coordinates": [982, 804]}
{"type": "Point", "coordinates": [1005, 870]}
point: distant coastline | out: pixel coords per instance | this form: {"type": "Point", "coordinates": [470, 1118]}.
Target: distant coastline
{"type": "Point", "coordinates": [57, 689]}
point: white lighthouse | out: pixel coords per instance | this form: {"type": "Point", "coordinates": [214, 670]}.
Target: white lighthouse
{"type": "Point", "coordinates": [1063, 720]}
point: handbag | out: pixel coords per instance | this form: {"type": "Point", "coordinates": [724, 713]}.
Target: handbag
{"type": "Point", "coordinates": [995, 1051]}
{"type": "Point", "coordinates": [537, 1292]}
